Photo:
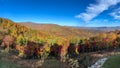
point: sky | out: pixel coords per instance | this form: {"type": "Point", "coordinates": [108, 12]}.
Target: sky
{"type": "Point", "coordinates": [84, 13]}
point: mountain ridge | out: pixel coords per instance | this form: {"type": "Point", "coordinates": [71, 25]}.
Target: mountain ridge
{"type": "Point", "coordinates": [61, 30]}
{"type": "Point", "coordinates": [102, 28]}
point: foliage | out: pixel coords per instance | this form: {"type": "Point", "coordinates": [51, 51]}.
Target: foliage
{"type": "Point", "coordinates": [56, 41]}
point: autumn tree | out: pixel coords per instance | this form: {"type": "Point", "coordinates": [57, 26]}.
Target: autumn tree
{"type": "Point", "coordinates": [7, 42]}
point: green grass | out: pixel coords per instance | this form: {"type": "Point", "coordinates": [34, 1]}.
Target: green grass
{"type": "Point", "coordinates": [5, 62]}
{"type": "Point", "coordinates": [112, 62]}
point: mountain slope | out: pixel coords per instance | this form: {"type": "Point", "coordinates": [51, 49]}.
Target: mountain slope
{"type": "Point", "coordinates": [62, 30]}
{"type": "Point", "coordinates": [102, 28]}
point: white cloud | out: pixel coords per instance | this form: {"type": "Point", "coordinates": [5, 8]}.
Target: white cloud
{"type": "Point", "coordinates": [116, 14]}
{"type": "Point", "coordinates": [93, 10]}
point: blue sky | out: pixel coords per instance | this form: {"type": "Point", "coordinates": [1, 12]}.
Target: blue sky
{"type": "Point", "coordinates": [85, 13]}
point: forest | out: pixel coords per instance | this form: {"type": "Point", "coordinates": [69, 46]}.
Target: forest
{"type": "Point", "coordinates": [69, 45]}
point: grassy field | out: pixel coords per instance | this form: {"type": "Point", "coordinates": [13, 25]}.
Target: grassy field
{"type": "Point", "coordinates": [112, 62]}
{"type": "Point", "coordinates": [5, 62]}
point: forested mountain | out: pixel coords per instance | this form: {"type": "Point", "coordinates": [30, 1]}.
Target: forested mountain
{"type": "Point", "coordinates": [39, 41]}
{"type": "Point", "coordinates": [62, 30]}
{"type": "Point", "coordinates": [107, 29]}
{"type": "Point", "coordinates": [43, 32]}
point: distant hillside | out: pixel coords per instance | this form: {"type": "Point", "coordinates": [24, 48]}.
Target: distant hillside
{"type": "Point", "coordinates": [62, 30]}
{"type": "Point", "coordinates": [102, 28]}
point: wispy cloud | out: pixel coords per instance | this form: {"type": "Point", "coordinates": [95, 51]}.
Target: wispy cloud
{"type": "Point", "coordinates": [93, 10]}
{"type": "Point", "coordinates": [116, 14]}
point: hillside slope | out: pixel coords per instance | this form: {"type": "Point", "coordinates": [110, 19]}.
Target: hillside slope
{"type": "Point", "coordinates": [62, 30]}
{"type": "Point", "coordinates": [106, 29]}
